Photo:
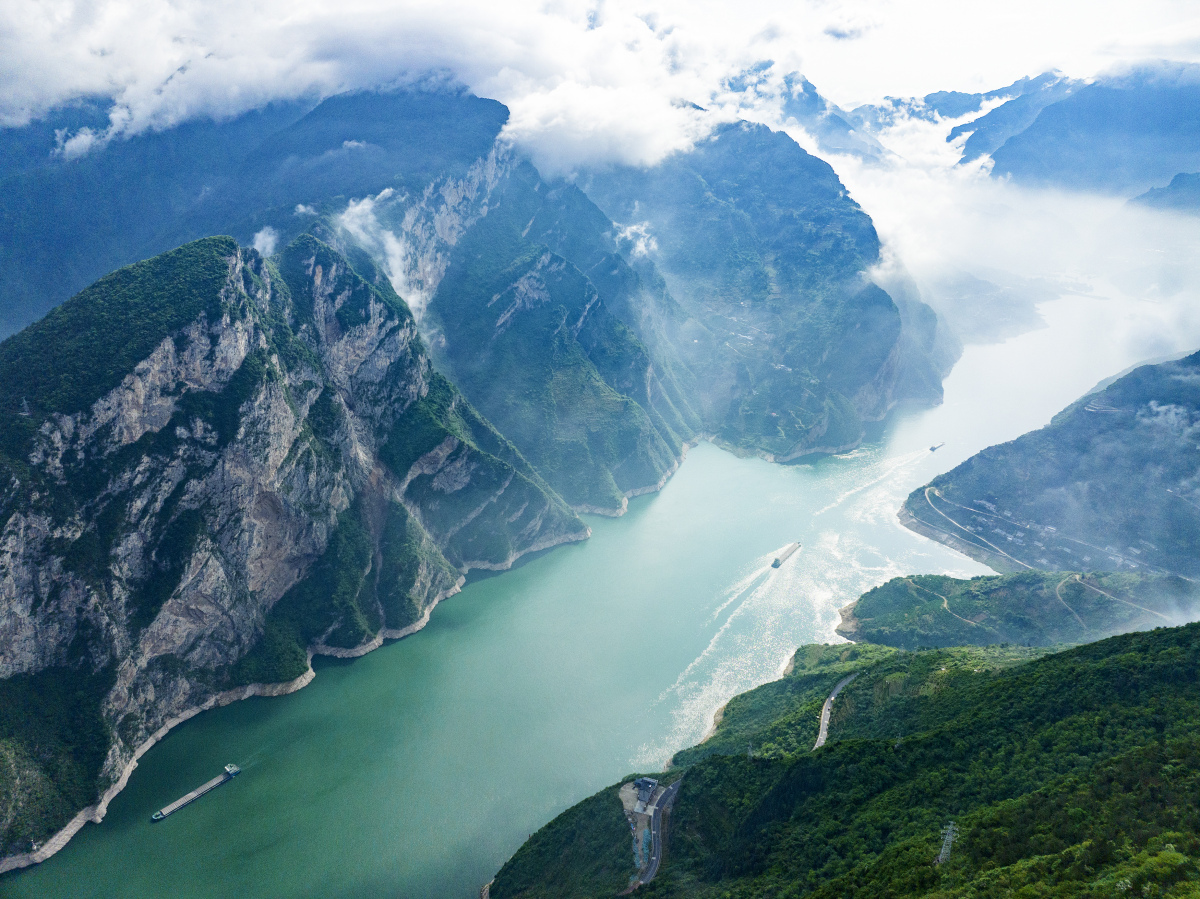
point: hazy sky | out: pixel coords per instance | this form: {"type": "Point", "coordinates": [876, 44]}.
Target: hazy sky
{"type": "Point", "coordinates": [585, 81]}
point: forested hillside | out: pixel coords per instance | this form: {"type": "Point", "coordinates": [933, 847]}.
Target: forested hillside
{"type": "Point", "coordinates": [1073, 774]}
{"type": "Point", "coordinates": [1032, 608]}
{"type": "Point", "coordinates": [1109, 484]}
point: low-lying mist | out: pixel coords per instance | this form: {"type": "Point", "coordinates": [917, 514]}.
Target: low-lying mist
{"type": "Point", "coordinates": [986, 252]}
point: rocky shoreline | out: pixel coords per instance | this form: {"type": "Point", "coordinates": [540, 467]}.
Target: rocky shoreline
{"type": "Point", "coordinates": [95, 813]}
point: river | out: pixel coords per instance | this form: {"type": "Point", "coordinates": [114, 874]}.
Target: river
{"type": "Point", "coordinates": [417, 770]}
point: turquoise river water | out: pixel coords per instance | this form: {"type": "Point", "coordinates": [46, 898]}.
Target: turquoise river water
{"type": "Point", "coordinates": [417, 770]}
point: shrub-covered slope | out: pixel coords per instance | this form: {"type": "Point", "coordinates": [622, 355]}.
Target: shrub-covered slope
{"type": "Point", "coordinates": [1109, 484]}
{"type": "Point", "coordinates": [211, 464]}
{"type": "Point", "coordinates": [1074, 774]}
{"type": "Point", "coordinates": [1032, 608]}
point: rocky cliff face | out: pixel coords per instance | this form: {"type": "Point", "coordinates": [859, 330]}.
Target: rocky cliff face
{"type": "Point", "coordinates": [516, 283]}
{"type": "Point", "coordinates": [281, 471]}
{"type": "Point", "coordinates": [790, 345]}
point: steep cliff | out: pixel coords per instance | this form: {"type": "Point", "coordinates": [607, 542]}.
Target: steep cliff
{"type": "Point", "coordinates": [214, 464]}
{"type": "Point", "coordinates": [532, 310]}
{"type": "Point", "coordinates": [790, 343]}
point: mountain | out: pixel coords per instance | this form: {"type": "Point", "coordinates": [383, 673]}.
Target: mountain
{"type": "Point", "coordinates": [215, 464]}
{"type": "Point", "coordinates": [532, 310]}
{"type": "Point", "coordinates": [792, 347]}
{"type": "Point", "coordinates": [834, 129]}
{"type": "Point", "coordinates": [498, 261]}
{"type": "Point", "coordinates": [1032, 608]}
{"type": "Point", "coordinates": [801, 105]}
{"type": "Point", "coordinates": [1181, 195]}
{"type": "Point", "coordinates": [988, 132]}
{"type": "Point", "coordinates": [1121, 135]}
{"type": "Point", "coordinates": [956, 104]}
{"type": "Point", "coordinates": [1074, 771]}
{"type": "Point", "coordinates": [64, 222]}
{"type": "Point", "coordinates": [416, 181]}
{"type": "Point", "coordinates": [1109, 484]}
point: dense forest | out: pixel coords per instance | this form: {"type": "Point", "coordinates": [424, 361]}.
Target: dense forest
{"type": "Point", "coordinates": [1070, 773]}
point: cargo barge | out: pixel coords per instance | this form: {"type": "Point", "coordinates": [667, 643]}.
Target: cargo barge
{"type": "Point", "coordinates": [230, 772]}
{"type": "Point", "coordinates": [785, 555]}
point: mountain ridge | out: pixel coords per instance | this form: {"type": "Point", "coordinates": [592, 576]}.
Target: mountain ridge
{"type": "Point", "coordinates": [283, 473]}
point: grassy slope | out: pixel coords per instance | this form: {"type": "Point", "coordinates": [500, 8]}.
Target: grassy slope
{"type": "Point", "coordinates": [1032, 608]}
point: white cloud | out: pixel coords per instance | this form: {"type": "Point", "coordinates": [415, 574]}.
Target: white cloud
{"type": "Point", "coordinates": [266, 240]}
{"type": "Point", "coordinates": [638, 237]}
{"type": "Point", "coordinates": [946, 225]}
{"type": "Point", "coordinates": [72, 146]}
{"type": "Point", "coordinates": [586, 81]}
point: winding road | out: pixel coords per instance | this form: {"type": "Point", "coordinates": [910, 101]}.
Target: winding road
{"type": "Point", "coordinates": [827, 710]}
{"type": "Point", "coordinates": [656, 832]}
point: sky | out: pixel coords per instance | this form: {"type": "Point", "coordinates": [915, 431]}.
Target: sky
{"type": "Point", "coordinates": [587, 81]}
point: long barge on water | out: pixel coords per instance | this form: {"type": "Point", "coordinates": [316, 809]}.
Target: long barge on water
{"type": "Point", "coordinates": [785, 555]}
{"type": "Point", "coordinates": [230, 772]}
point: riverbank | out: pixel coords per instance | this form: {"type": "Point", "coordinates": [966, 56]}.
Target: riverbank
{"type": "Point", "coordinates": [994, 560]}
{"type": "Point", "coordinates": [496, 695]}
{"type": "Point", "coordinates": [95, 813]}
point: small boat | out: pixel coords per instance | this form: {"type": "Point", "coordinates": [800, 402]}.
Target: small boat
{"type": "Point", "coordinates": [934, 449]}
{"type": "Point", "coordinates": [785, 555]}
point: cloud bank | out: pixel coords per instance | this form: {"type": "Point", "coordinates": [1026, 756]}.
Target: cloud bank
{"type": "Point", "coordinates": [587, 80]}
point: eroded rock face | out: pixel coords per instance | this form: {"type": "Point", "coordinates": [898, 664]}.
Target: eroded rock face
{"type": "Point", "coordinates": [153, 534]}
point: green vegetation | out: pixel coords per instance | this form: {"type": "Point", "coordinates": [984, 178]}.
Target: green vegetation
{"type": "Point", "coordinates": [520, 323]}
{"type": "Point", "coordinates": [85, 347]}
{"type": "Point", "coordinates": [1032, 608]}
{"type": "Point", "coordinates": [1108, 485]}
{"type": "Point", "coordinates": [410, 565]}
{"type": "Point", "coordinates": [425, 424]}
{"type": "Point", "coordinates": [783, 717]}
{"type": "Point", "coordinates": [585, 851]}
{"type": "Point", "coordinates": [53, 740]}
{"type": "Point", "coordinates": [329, 602]}
{"type": "Point", "coordinates": [127, 518]}
{"type": "Point", "coordinates": [1074, 774]}
{"type": "Point", "coordinates": [762, 248]}
{"type": "Point", "coordinates": [310, 266]}
{"type": "Point", "coordinates": [504, 493]}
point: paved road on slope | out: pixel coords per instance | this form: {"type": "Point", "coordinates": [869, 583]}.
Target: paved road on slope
{"type": "Point", "coordinates": [827, 709]}
{"type": "Point", "coordinates": [656, 834]}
